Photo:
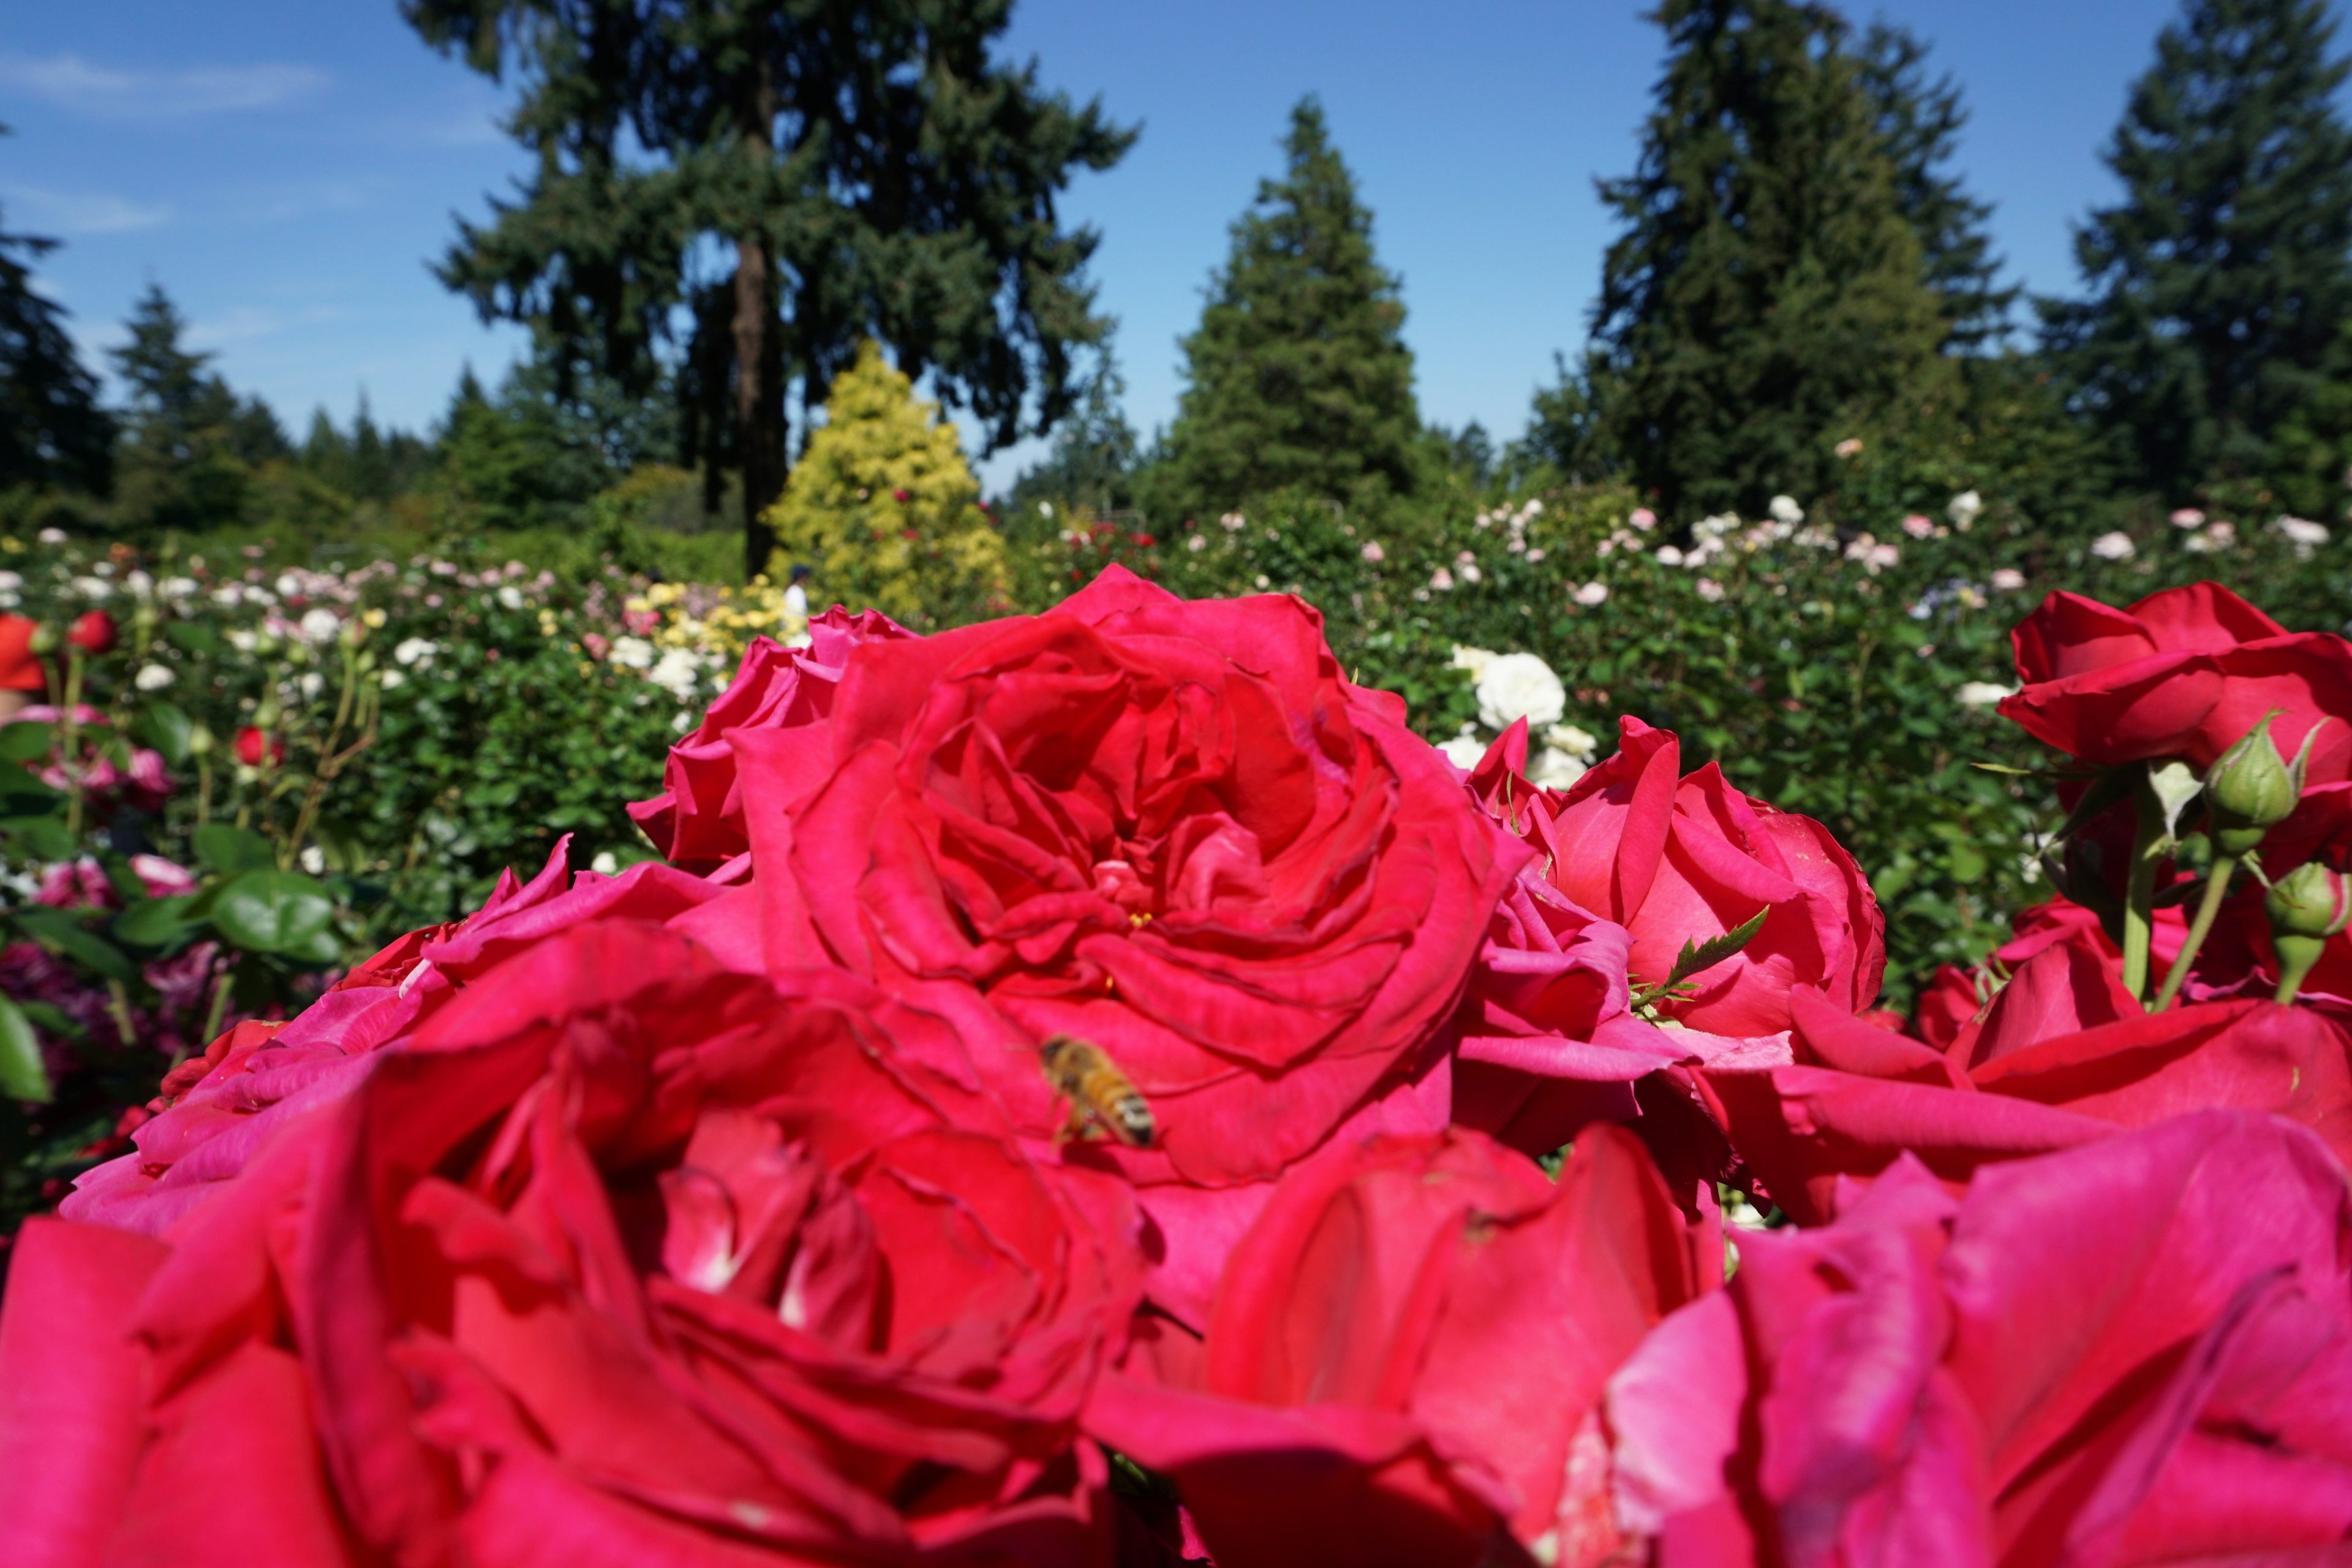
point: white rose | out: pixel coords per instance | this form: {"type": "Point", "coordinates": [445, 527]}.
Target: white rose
{"type": "Point", "coordinates": [631, 653]}
{"type": "Point", "coordinates": [1982, 693]}
{"type": "Point", "coordinates": [1515, 686]}
{"type": "Point", "coordinates": [2114, 546]}
{"type": "Point", "coordinates": [1592, 594]}
{"type": "Point", "coordinates": [1474, 659]}
{"type": "Point", "coordinates": [153, 678]}
{"type": "Point", "coordinates": [1784, 509]}
{"type": "Point", "coordinates": [320, 626]}
{"type": "Point", "coordinates": [1464, 751]}
{"type": "Point", "coordinates": [1554, 769]}
{"type": "Point", "coordinates": [1963, 509]}
{"type": "Point", "coordinates": [604, 865]}
{"type": "Point", "coordinates": [510, 596]}
{"type": "Point", "coordinates": [676, 672]}
{"type": "Point", "coordinates": [415, 650]}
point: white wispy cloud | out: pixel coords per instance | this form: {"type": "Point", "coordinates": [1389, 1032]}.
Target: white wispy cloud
{"type": "Point", "coordinates": [245, 323]}
{"type": "Point", "coordinates": [128, 93]}
{"type": "Point", "coordinates": [41, 210]}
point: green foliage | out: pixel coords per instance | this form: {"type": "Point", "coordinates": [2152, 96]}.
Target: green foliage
{"type": "Point", "coordinates": [1768, 285]}
{"type": "Point", "coordinates": [871, 169]}
{"type": "Point", "coordinates": [189, 445]}
{"type": "Point", "coordinates": [1297, 377]}
{"type": "Point", "coordinates": [2211, 346]}
{"type": "Point", "coordinates": [883, 509]}
{"type": "Point", "coordinates": [1093, 458]}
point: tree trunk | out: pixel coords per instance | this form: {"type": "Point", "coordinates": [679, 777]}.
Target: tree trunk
{"type": "Point", "coordinates": [759, 363]}
{"type": "Point", "coordinates": [759, 404]}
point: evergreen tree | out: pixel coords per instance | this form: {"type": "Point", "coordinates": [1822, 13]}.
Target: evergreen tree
{"type": "Point", "coordinates": [864, 165]}
{"type": "Point", "coordinates": [1767, 288]}
{"type": "Point", "coordinates": [188, 445]}
{"type": "Point", "coordinates": [1920, 122]}
{"type": "Point", "coordinates": [2219, 286]}
{"type": "Point", "coordinates": [1298, 376]}
{"type": "Point", "coordinates": [1092, 460]}
{"type": "Point", "coordinates": [883, 511]}
{"type": "Point", "coordinates": [52, 431]}
{"type": "Point", "coordinates": [489, 466]}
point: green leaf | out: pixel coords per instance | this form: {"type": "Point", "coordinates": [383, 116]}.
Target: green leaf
{"type": "Point", "coordinates": [157, 922]}
{"type": "Point", "coordinates": [26, 740]}
{"type": "Point", "coordinates": [55, 1019]}
{"type": "Point", "coordinates": [192, 636]}
{"type": "Point", "coordinates": [165, 726]}
{"type": "Point", "coordinates": [232, 851]}
{"type": "Point", "coordinates": [23, 1075]}
{"type": "Point", "coordinates": [273, 912]}
{"type": "Point", "coordinates": [62, 934]}
{"type": "Point", "coordinates": [39, 837]}
{"type": "Point", "coordinates": [1696, 957]}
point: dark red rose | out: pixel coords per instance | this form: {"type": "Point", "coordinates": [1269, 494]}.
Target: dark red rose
{"type": "Point", "coordinates": [2137, 1352]}
{"type": "Point", "coordinates": [92, 632]}
{"type": "Point", "coordinates": [20, 666]}
{"type": "Point", "coordinates": [1173, 830]}
{"type": "Point", "coordinates": [2064, 1056]}
{"type": "Point", "coordinates": [1407, 1356]}
{"type": "Point", "coordinates": [624, 1257]}
{"type": "Point", "coordinates": [2183, 673]}
{"type": "Point", "coordinates": [698, 819]}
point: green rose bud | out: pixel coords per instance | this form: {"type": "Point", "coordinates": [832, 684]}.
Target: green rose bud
{"type": "Point", "coordinates": [2308, 902]}
{"type": "Point", "coordinates": [2252, 789]}
{"type": "Point", "coordinates": [200, 741]}
{"type": "Point", "coordinates": [44, 640]}
{"type": "Point", "coordinates": [2306, 907]}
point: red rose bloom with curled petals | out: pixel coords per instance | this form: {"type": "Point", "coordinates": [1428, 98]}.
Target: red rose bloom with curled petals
{"type": "Point", "coordinates": [1172, 829]}
{"type": "Point", "coordinates": [624, 1257]}
{"type": "Point", "coordinates": [1407, 1356]}
{"type": "Point", "coordinates": [2183, 673]}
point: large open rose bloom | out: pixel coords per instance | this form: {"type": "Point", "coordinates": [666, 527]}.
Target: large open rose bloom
{"type": "Point", "coordinates": [625, 1258]}
{"type": "Point", "coordinates": [2135, 1353]}
{"type": "Point", "coordinates": [1172, 829]}
{"type": "Point", "coordinates": [2064, 1056]}
{"type": "Point", "coordinates": [1407, 1355]}
{"type": "Point", "coordinates": [2182, 673]}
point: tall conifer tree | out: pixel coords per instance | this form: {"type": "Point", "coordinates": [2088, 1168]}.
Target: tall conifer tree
{"type": "Point", "coordinates": [1298, 375]}
{"type": "Point", "coordinates": [1768, 285]}
{"type": "Point", "coordinates": [863, 166]}
{"type": "Point", "coordinates": [52, 431]}
{"type": "Point", "coordinates": [2219, 289]}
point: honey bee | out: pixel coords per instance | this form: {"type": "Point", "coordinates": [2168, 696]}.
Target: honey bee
{"type": "Point", "coordinates": [1103, 1104]}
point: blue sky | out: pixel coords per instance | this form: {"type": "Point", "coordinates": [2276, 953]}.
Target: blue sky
{"type": "Point", "coordinates": [286, 169]}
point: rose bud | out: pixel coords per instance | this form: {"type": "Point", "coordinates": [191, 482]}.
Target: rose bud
{"type": "Point", "coordinates": [92, 632]}
{"type": "Point", "coordinates": [2252, 788]}
{"type": "Point", "coordinates": [43, 641]}
{"type": "Point", "coordinates": [2306, 907]}
{"type": "Point", "coordinates": [252, 745]}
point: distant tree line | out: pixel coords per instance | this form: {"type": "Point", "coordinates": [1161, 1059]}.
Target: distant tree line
{"type": "Point", "coordinates": [728, 201]}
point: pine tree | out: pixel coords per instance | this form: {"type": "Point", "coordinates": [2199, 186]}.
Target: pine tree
{"type": "Point", "coordinates": [1092, 461]}
{"type": "Point", "coordinates": [1920, 120]}
{"type": "Point", "coordinates": [883, 510]}
{"type": "Point", "coordinates": [188, 446]}
{"type": "Point", "coordinates": [1766, 286]}
{"type": "Point", "coordinates": [2219, 287]}
{"type": "Point", "coordinates": [1299, 377]}
{"type": "Point", "coordinates": [865, 166]}
{"type": "Point", "coordinates": [52, 431]}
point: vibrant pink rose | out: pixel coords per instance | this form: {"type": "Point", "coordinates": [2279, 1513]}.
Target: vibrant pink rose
{"type": "Point", "coordinates": [2064, 1056]}
{"type": "Point", "coordinates": [697, 820]}
{"type": "Point", "coordinates": [2136, 1353]}
{"type": "Point", "coordinates": [162, 878]}
{"type": "Point", "coordinates": [1948, 1004]}
{"type": "Point", "coordinates": [1174, 830]}
{"type": "Point", "coordinates": [2183, 673]}
{"type": "Point", "coordinates": [1407, 1356]}
{"type": "Point", "coordinates": [1676, 860]}
{"type": "Point", "coordinates": [627, 1257]}
{"type": "Point", "coordinates": [78, 884]}
{"type": "Point", "coordinates": [256, 1079]}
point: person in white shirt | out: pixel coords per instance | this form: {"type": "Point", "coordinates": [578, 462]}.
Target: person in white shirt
{"type": "Point", "coordinates": [796, 596]}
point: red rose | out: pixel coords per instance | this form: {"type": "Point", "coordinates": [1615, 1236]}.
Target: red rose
{"type": "Point", "coordinates": [697, 820]}
{"type": "Point", "coordinates": [2138, 1352]}
{"type": "Point", "coordinates": [1948, 1004]}
{"type": "Point", "coordinates": [1173, 830]}
{"type": "Point", "coordinates": [2064, 1056]}
{"type": "Point", "coordinates": [1677, 860]}
{"type": "Point", "coordinates": [627, 1257]}
{"type": "Point", "coordinates": [92, 632]}
{"type": "Point", "coordinates": [251, 746]}
{"type": "Point", "coordinates": [1407, 1355]}
{"type": "Point", "coordinates": [216, 1110]}
{"type": "Point", "coordinates": [2184, 673]}
{"type": "Point", "coordinates": [20, 666]}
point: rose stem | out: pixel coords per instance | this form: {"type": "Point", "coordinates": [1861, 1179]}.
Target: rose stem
{"type": "Point", "coordinates": [2217, 886]}
{"type": "Point", "coordinates": [2139, 894]}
